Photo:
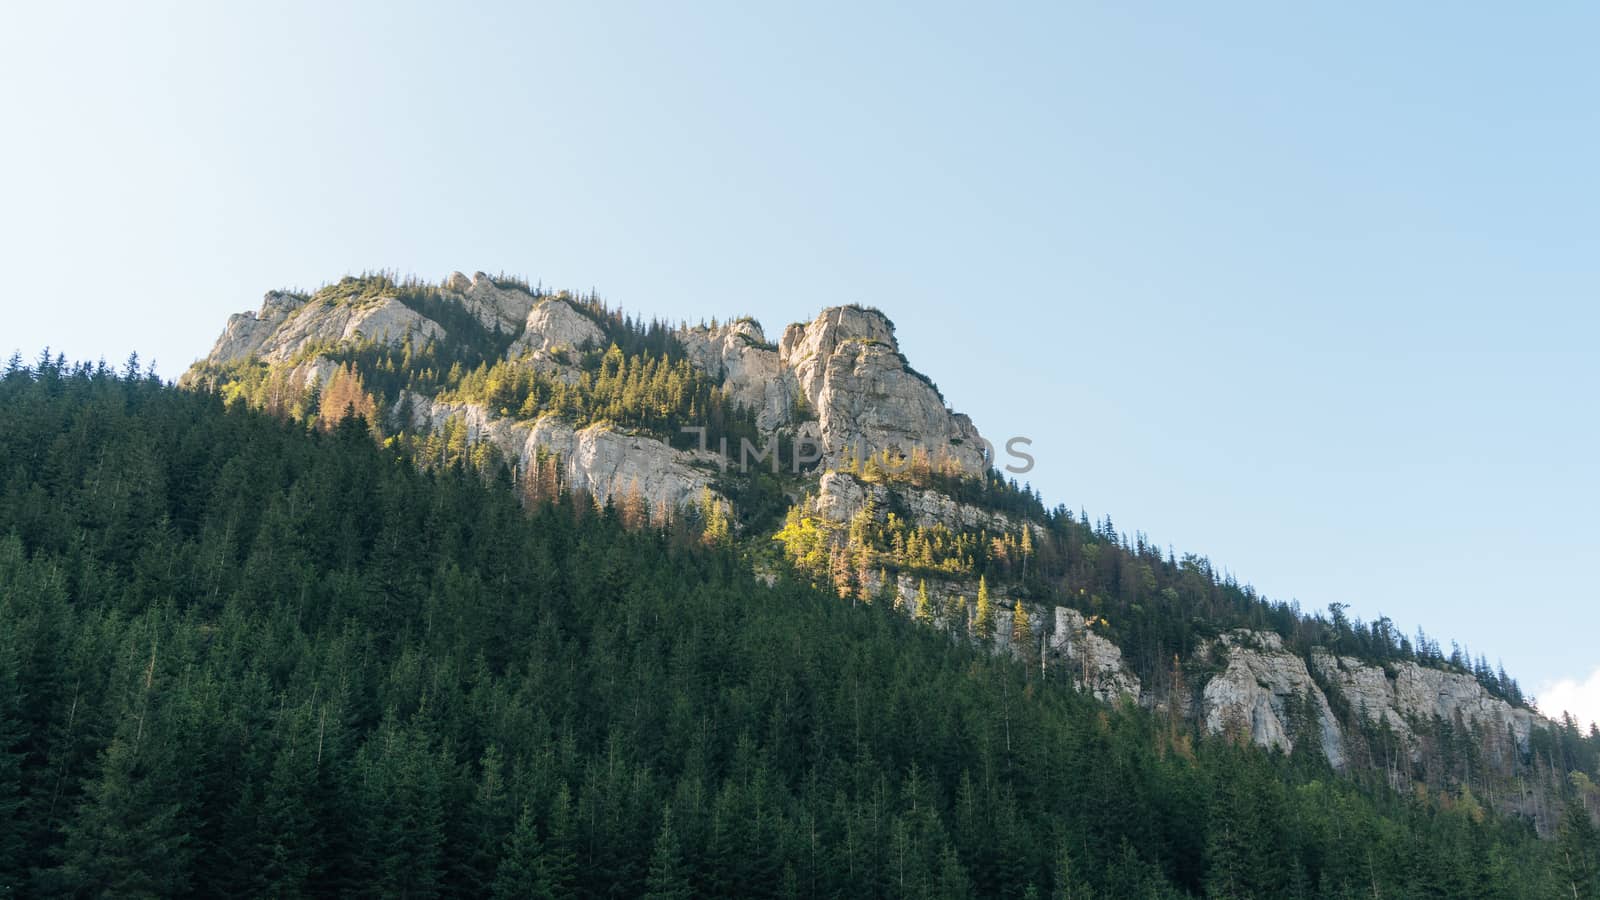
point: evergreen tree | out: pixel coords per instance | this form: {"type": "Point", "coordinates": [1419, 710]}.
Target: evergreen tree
{"type": "Point", "coordinates": [983, 620]}
{"type": "Point", "coordinates": [955, 614]}
{"type": "Point", "coordinates": [129, 837]}
{"type": "Point", "coordinates": [1578, 854]}
{"type": "Point", "coordinates": [559, 852]}
{"type": "Point", "coordinates": [1021, 630]}
{"type": "Point", "coordinates": [523, 872]}
{"type": "Point", "coordinates": [13, 837]}
{"type": "Point", "coordinates": [924, 612]}
{"type": "Point", "coordinates": [239, 657]}
{"type": "Point", "coordinates": [667, 880]}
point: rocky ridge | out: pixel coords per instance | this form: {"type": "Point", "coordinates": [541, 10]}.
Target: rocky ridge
{"type": "Point", "coordinates": [841, 379]}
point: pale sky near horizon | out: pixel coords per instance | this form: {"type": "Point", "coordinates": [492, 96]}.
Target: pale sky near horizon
{"type": "Point", "coordinates": [1311, 292]}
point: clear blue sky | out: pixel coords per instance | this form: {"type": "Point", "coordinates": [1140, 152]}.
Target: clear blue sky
{"type": "Point", "coordinates": [1314, 293]}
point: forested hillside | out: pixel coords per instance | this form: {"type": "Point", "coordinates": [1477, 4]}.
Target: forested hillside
{"type": "Point", "coordinates": [901, 506]}
{"type": "Point", "coordinates": [238, 656]}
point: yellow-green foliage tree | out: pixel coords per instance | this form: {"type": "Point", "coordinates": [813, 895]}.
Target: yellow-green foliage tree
{"type": "Point", "coordinates": [1021, 630]}
{"type": "Point", "coordinates": [983, 623]}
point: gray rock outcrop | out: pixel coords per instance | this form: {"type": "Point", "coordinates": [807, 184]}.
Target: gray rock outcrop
{"type": "Point", "coordinates": [289, 325]}
{"type": "Point", "coordinates": [753, 375]}
{"type": "Point", "coordinates": [503, 309]}
{"type": "Point", "coordinates": [552, 324]}
{"type": "Point", "coordinates": [841, 495]}
{"type": "Point", "coordinates": [866, 400]}
{"type": "Point", "coordinates": [1254, 690]}
{"type": "Point", "coordinates": [1096, 663]}
{"type": "Point", "coordinates": [1415, 693]}
{"type": "Point", "coordinates": [603, 461]}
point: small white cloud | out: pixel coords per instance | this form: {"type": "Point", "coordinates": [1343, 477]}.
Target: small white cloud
{"type": "Point", "coordinates": [1581, 698]}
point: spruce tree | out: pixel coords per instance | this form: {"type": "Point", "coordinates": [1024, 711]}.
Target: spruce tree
{"type": "Point", "coordinates": [667, 879]}
{"type": "Point", "coordinates": [128, 838]}
{"type": "Point", "coordinates": [13, 837]}
{"type": "Point", "coordinates": [524, 872]}
{"type": "Point", "coordinates": [1578, 853]}
{"type": "Point", "coordinates": [560, 850]}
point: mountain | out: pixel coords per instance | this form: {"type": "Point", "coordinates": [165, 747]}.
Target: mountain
{"type": "Point", "coordinates": [422, 589]}
{"type": "Point", "coordinates": [240, 656]}
{"type": "Point", "coordinates": [883, 493]}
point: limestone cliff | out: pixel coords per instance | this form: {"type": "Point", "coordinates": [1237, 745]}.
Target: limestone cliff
{"type": "Point", "coordinates": [1404, 693]}
{"type": "Point", "coordinates": [289, 324]}
{"type": "Point", "coordinates": [840, 381]}
{"type": "Point", "coordinates": [750, 368]}
{"type": "Point", "coordinates": [867, 400]}
{"type": "Point", "coordinates": [1255, 691]}
{"type": "Point", "coordinates": [602, 461]}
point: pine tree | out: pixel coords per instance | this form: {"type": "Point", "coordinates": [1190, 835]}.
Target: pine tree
{"type": "Point", "coordinates": [524, 872]}
{"type": "Point", "coordinates": [560, 851]}
{"type": "Point", "coordinates": [983, 622]}
{"type": "Point", "coordinates": [1021, 631]}
{"type": "Point", "coordinates": [345, 394]}
{"type": "Point", "coordinates": [1068, 886]}
{"type": "Point", "coordinates": [289, 831]}
{"type": "Point", "coordinates": [1578, 853]}
{"type": "Point", "coordinates": [12, 733]}
{"type": "Point", "coordinates": [128, 838]}
{"type": "Point", "coordinates": [667, 879]}
{"type": "Point", "coordinates": [634, 510]}
{"type": "Point", "coordinates": [717, 531]}
{"type": "Point", "coordinates": [924, 611]}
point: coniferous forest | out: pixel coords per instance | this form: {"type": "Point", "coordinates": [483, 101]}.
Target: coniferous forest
{"type": "Point", "coordinates": [243, 657]}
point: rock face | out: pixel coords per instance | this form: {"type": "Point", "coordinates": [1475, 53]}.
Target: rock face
{"type": "Point", "coordinates": [1254, 692]}
{"type": "Point", "coordinates": [1096, 662]}
{"type": "Point", "coordinates": [1062, 635]}
{"type": "Point", "coordinates": [597, 459]}
{"type": "Point", "coordinates": [247, 332]}
{"type": "Point", "coordinates": [607, 463]}
{"type": "Point", "coordinates": [290, 331]}
{"type": "Point", "coordinates": [1418, 693]}
{"type": "Point", "coordinates": [497, 308]}
{"type": "Point", "coordinates": [288, 325]}
{"type": "Point", "coordinates": [753, 374]}
{"type": "Point", "coordinates": [841, 382]}
{"type": "Point", "coordinates": [841, 495]}
{"type": "Point", "coordinates": [553, 324]}
{"type": "Point", "coordinates": [849, 370]}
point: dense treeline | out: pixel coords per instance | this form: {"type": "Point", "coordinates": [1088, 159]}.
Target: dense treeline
{"type": "Point", "coordinates": [643, 391]}
{"type": "Point", "coordinates": [1161, 609]}
{"type": "Point", "coordinates": [240, 657]}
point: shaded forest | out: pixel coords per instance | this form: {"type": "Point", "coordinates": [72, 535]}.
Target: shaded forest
{"type": "Point", "coordinates": [241, 657]}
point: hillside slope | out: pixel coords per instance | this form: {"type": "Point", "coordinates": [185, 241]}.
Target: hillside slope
{"type": "Point", "coordinates": [241, 657]}
{"type": "Point", "coordinates": [870, 486]}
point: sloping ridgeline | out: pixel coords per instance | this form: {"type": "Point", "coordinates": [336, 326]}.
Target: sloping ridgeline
{"type": "Point", "coordinates": [241, 657]}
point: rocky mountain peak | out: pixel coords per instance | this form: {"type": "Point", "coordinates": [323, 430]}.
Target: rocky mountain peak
{"type": "Point", "coordinates": [553, 323]}
{"type": "Point", "coordinates": [832, 327]}
{"type": "Point", "coordinates": [498, 308]}
{"type": "Point", "coordinates": [527, 385]}
{"type": "Point", "coordinates": [868, 401]}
